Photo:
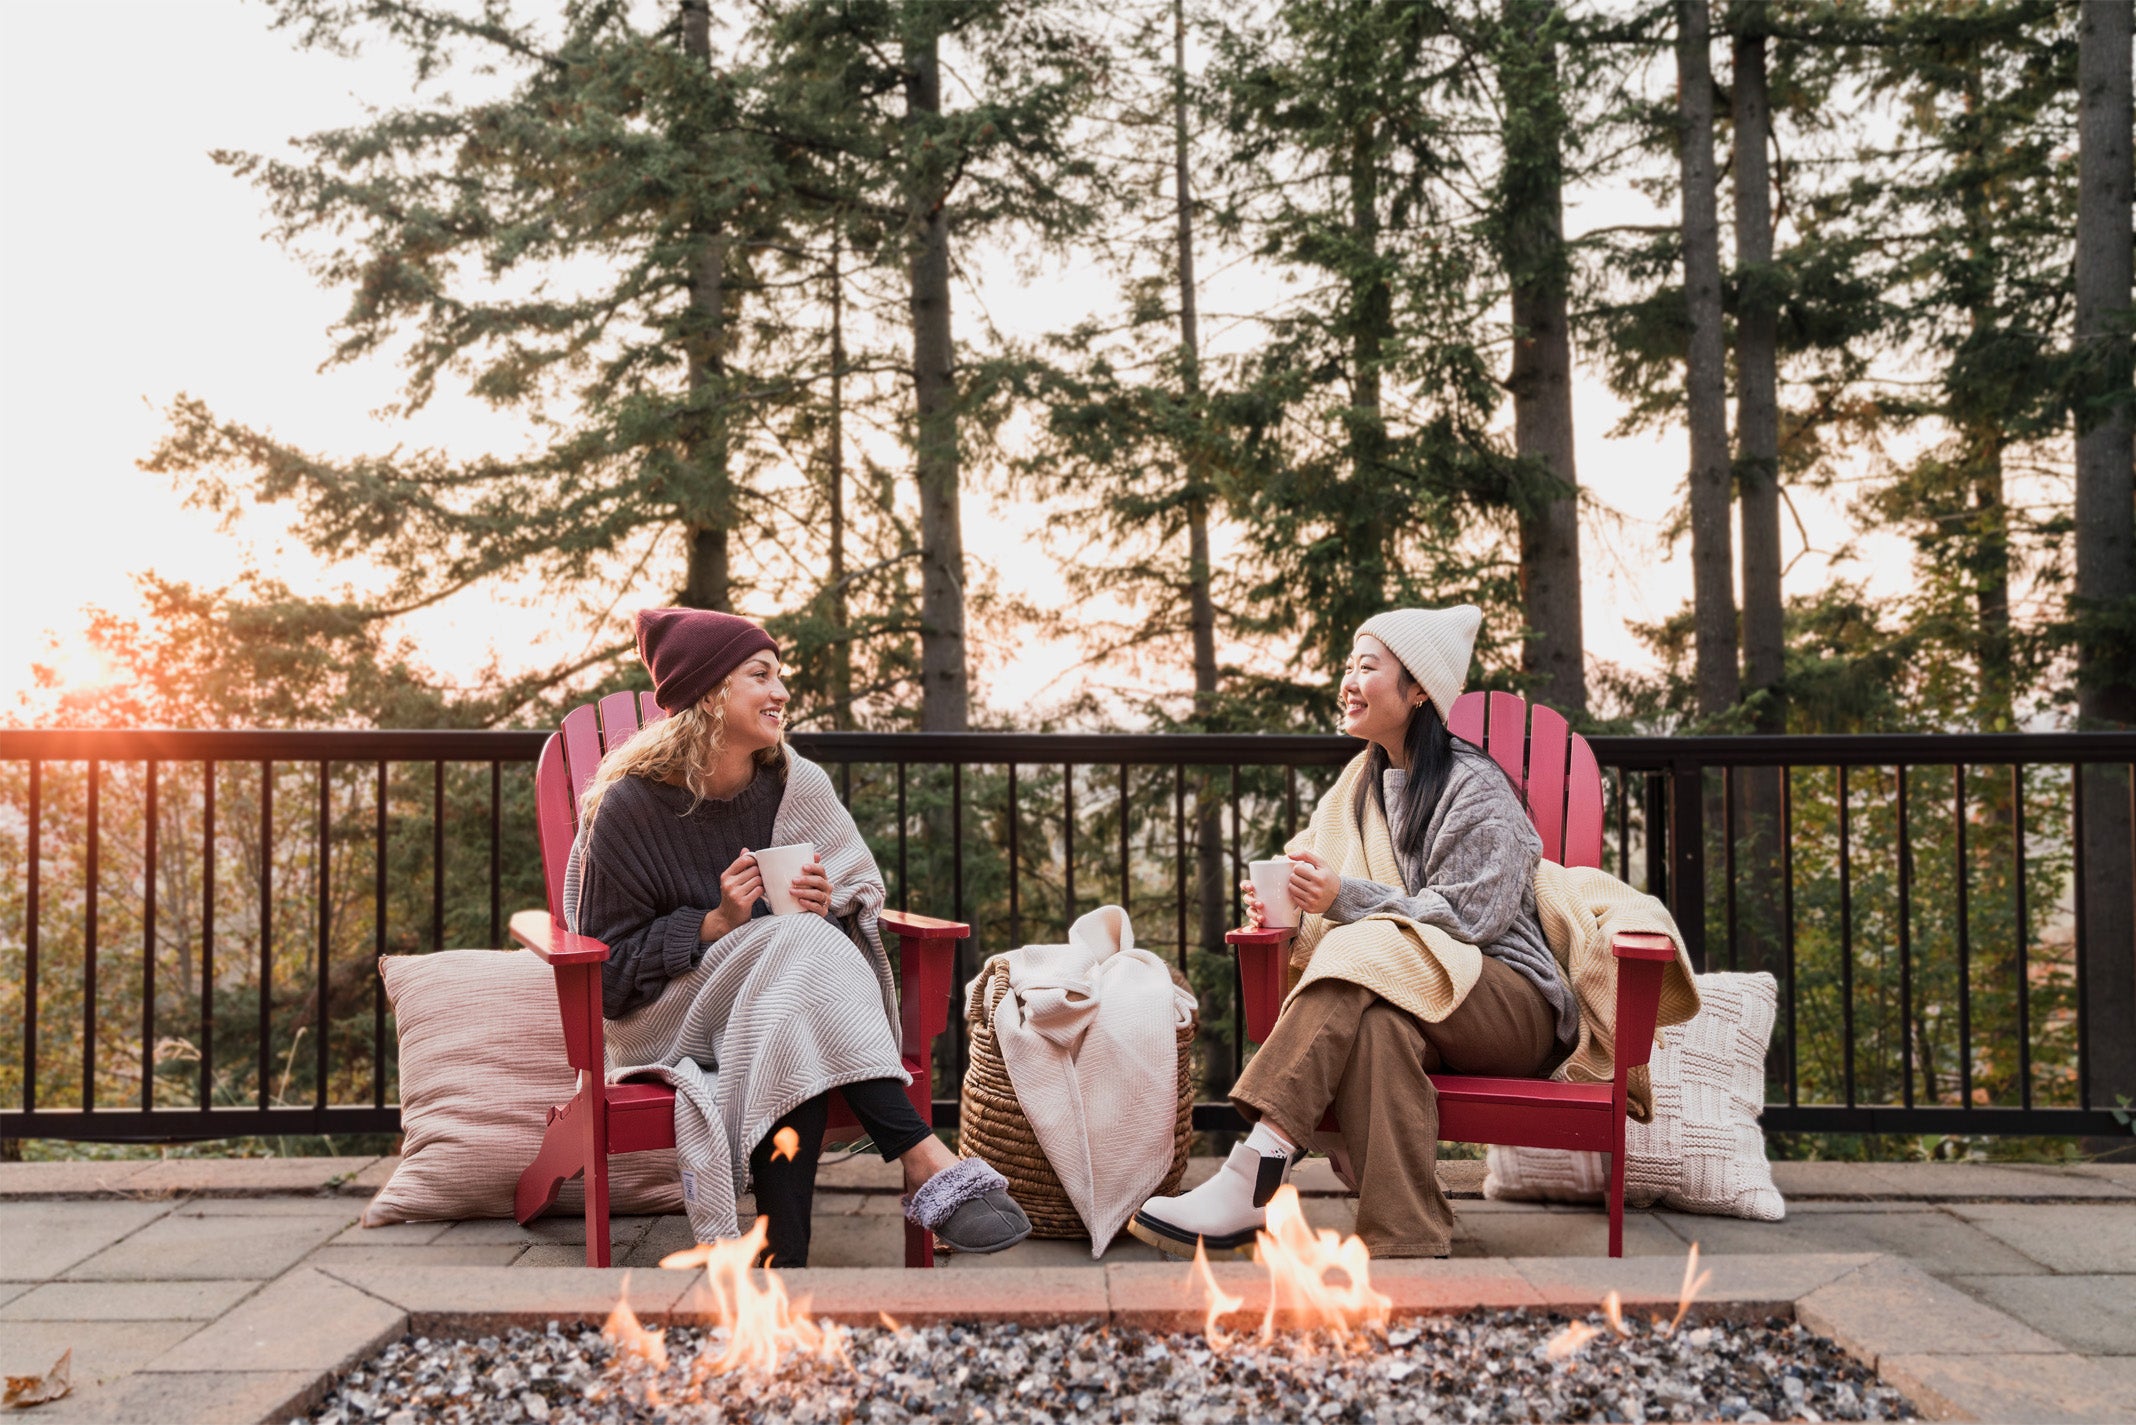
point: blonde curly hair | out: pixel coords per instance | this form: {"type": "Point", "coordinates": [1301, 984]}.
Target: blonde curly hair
{"type": "Point", "coordinates": [682, 747]}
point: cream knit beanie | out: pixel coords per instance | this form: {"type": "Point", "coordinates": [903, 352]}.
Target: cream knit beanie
{"type": "Point", "coordinates": [1433, 644]}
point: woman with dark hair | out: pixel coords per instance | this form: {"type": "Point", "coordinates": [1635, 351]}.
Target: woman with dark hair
{"type": "Point", "coordinates": [1421, 857]}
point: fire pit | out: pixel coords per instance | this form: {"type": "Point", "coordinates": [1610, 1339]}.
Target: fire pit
{"type": "Point", "coordinates": [1482, 1366]}
{"type": "Point", "coordinates": [1324, 1347]}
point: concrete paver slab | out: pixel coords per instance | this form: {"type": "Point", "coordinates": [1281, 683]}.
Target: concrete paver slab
{"type": "Point", "coordinates": [243, 1176]}
{"type": "Point", "coordinates": [305, 1320]}
{"type": "Point", "coordinates": [662, 1236]}
{"type": "Point", "coordinates": [1559, 1234]}
{"type": "Point", "coordinates": [2008, 1387]}
{"type": "Point", "coordinates": [859, 1240]}
{"type": "Point", "coordinates": [2068, 1237]}
{"type": "Point", "coordinates": [1756, 1283]}
{"type": "Point", "coordinates": [128, 1301]}
{"type": "Point", "coordinates": [393, 1234]}
{"type": "Point", "coordinates": [1890, 1307]}
{"type": "Point", "coordinates": [201, 1397]}
{"type": "Point", "coordinates": [541, 1229]}
{"type": "Point", "coordinates": [484, 1298]}
{"type": "Point", "coordinates": [1980, 1181]}
{"type": "Point", "coordinates": [103, 1350]}
{"type": "Point", "coordinates": [339, 1209]}
{"type": "Point", "coordinates": [435, 1254]}
{"type": "Point", "coordinates": [367, 1182]}
{"type": "Point", "coordinates": [68, 1179]}
{"type": "Point", "coordinates": [2093, 1315]}
{"type": "Point", "coordinates": [866, 1173]}
{"type": "Point", "coordinates": [10, 1290]}
{"type": "Point", "coordinates": [184, 1246]}
{"type": "Point", "coordinates": [1828, 1181]}
{"type": "Point", "coordinates": [1936, 1241]}
{"type": "Point", "coordinates": [44, 1238]}
{"type": "Point", "coordinates": [1063, 1252]}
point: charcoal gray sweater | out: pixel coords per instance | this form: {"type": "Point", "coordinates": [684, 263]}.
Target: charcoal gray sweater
{"type": "Point", "coordinates": [1477, 879]}
{"type": "Point", "coordinates": [651, 875]}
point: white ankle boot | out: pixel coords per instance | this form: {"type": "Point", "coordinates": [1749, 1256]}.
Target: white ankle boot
{"type": "Point", "coordinates": [1224, 1213]}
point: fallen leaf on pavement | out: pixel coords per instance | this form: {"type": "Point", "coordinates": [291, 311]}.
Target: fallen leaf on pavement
{"type": "Point", "coordinates": [36, 1390]}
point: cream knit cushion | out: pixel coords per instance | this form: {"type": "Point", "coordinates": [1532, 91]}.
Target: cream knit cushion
{"type": "Point", "coordinates": [481, 1063]}
{"type": "Point", "coordinates": [1433, 644]}
{"type": "Point", "coordinates": [1703, 1151]}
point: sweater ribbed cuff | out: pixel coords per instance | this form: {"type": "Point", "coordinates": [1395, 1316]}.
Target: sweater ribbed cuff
{"type": "Point", "coordinates": [680, 949]}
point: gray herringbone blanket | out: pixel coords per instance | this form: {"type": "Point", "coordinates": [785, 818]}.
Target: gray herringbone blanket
{"type": "Point", "coordinates": [778, 1011]}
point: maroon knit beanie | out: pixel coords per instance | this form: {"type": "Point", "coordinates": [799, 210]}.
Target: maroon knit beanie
{"type": "Point", "coordinates": [690, 651]}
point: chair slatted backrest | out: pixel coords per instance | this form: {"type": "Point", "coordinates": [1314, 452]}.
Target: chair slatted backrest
{"type": "Point", "coordinates": [1552, 765]}
{"type": "Point", "coordinates": [568, 761]}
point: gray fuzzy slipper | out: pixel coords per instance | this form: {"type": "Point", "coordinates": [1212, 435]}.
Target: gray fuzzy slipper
{"type": "Point", "coordinates": [969, 1208]}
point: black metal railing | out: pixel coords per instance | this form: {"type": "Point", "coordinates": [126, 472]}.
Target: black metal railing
{"type": "Point", "coordinates": [1947, 917]}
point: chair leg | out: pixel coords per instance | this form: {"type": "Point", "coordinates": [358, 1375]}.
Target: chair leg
{"type": "Point", "coordinates": [1616, 1204]}
{"type": "Point", "coordinates": [919, 1246]}
{"type": "Point", "coordinates": [597, 1211]}
{"type": "Point", "coordinates": [562, 1155]}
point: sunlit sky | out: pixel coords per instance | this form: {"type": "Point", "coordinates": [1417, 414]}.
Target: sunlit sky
{"type": "Point", "coordinates": [132, 268]}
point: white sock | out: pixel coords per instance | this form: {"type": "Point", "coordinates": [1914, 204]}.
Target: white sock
{"type": "Point", "coordinates": [1269, 1143]}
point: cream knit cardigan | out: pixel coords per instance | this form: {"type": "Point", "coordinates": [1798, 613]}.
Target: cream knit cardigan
{"type": "Point", "coordinates": [1428, 972]}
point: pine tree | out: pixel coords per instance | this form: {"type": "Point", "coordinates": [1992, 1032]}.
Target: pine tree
{"type": "Point", "coordinates": [1530, 216]}
{"type": "Point", "coordinates": [1374, 472]}
{"type": "Point", "coordinates": [465, 230]}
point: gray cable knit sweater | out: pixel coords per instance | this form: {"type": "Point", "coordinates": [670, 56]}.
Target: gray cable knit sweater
{"type": "Point", "coordinates": [1477, 879]}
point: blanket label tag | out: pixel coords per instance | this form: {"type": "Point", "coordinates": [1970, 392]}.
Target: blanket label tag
{"type": "Point", "coordinates": [689, 1186]}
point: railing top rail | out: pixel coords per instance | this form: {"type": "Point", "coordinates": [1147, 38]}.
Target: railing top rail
{"type": "Point", "coordinates": [1054, 748]}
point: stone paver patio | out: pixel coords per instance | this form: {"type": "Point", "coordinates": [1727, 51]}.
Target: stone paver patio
{"type": "Point", "coordinates": [228, 1290]}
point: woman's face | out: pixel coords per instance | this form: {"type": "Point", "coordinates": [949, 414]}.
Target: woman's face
{"type": "Point", "coordinates": [756, 704]}
{"type": "Point", "coordinates": [1377, 695]}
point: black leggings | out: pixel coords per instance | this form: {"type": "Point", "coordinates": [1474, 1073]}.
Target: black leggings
{"type": "Point", "coordinates": [786, 1189]}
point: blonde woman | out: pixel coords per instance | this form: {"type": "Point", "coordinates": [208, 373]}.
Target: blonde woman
{"type": "Point", "coordinates": [752, 1017]}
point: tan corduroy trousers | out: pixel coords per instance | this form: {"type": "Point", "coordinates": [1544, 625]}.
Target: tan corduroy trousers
{"type": "Point", "coordinates": [1339, 1045]}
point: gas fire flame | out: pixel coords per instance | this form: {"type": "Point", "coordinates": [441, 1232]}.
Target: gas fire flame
{"type": "Point", "coordinates": [763, 1325]}
{"type": "Point", "coordinates": [784, 1144]}
{"type": "Point", "coordinates": [631, 1339]}
{"type": "Point", "coordinates": [1317, 1280]}
{"type": "Point", "coordinates": [1574, 1338]}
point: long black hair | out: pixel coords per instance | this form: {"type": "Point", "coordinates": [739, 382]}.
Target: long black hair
{"type": "Point", "coordinates": [1430, 745]}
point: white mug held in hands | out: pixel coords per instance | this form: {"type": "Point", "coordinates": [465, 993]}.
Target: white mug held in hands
{"type": "Point", "coordinates": [780, 865]}
{"type": "Point", "coordinates": [1271, 882]}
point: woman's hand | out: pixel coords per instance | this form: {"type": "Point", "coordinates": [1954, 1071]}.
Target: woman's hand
{"type": "Point", "coordinates": [812, 889]}
{"type": "Point", "coordinates": [1312, 884]}
{"type": "Point", "coordinates": [1255, 911]}
{"type": "Point", "coordinates": [741, 886]}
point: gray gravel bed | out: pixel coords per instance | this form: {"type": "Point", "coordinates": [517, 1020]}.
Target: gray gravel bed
{"type": "Point", "coordinates": [1483, 1366]}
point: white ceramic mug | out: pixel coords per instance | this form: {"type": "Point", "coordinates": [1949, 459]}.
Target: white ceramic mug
{"type": "Point", "coordinates": [779, 865]}
{"type": "Point", "coordinates": [1271, 882]}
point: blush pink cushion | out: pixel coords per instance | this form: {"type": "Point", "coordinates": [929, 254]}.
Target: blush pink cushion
{"type": "Point", "coordinates": [481, 1063]}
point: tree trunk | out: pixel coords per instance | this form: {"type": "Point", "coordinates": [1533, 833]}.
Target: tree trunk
{"type": "Point", "coordinates": [2106, 530]}
{"type": "Point", "coordinates": [944, 685]}
{"type": "Point", "coordinates": [1757, 374]}
{"type": "Point", "coordinates": [1982, 436]}
{"type": "Point", "coordinates": [1554, 651]}
{"type": "Point", "coordinates": [1705, 375]}
{"type": "Point", "coordinates": [841, 679]}
{"type": "Point", "coordinates": [1201, 605]}
{"type": "Point", "coordinates": [704, 507]}
{"type": "Point", "coordinates": [1760, 904]}
{"type": "Point", "coordinates": [1371, 318]}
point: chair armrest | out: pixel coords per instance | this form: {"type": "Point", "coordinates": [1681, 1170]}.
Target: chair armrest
{"type": "Point", "coordinates": [546, 937]}
{"type": "Point", "coordinates": [907, 926]}
{"type": "Point", "coordinates": [1264, 961]}
{"type": "Point", "coordinates": [927, 971]}
{"type": "Point", "coordinates": [1642, 961]}
{"type": "Point", "coordinates": [1641, 946]}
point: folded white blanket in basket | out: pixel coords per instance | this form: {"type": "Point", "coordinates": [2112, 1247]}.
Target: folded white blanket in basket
{"type": "Point", "coordinates": [1089, 1034]}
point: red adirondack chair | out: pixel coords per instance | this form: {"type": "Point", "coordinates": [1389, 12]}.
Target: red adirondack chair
{"type": "Point", "coordinates": [1563, 785]}
{"type": "Point", "coordinates": [603, 1118]}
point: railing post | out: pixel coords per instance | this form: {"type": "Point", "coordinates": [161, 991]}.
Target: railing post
{"type": "Point", "coordinates": [1687, 858]}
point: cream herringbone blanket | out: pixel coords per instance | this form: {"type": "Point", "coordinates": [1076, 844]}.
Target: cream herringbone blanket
{"type": "Point", "coordinates": [1428, 972]}
{"type": "Point", "coordinates": [780, 1010]}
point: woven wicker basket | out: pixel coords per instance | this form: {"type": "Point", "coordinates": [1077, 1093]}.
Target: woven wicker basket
{"type": "Point", "coordinates": [991, 1124]}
